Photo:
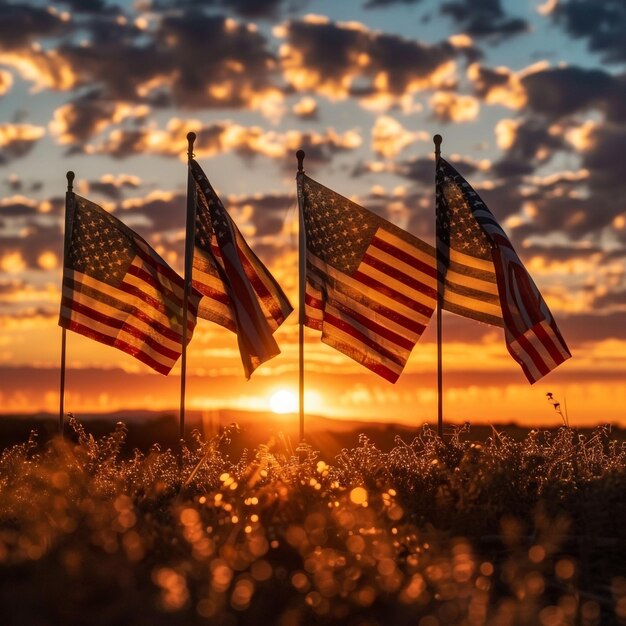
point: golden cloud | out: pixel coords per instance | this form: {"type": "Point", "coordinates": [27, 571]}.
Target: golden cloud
{"type": "Point", "coordinates": [46, 69]}
{"type": "Point", "coordinates": [221, 137]}
{"type": "Point", "coordinates": [71, 122]}
{"type": "Point", "coordinates": [389, 137]}
{"type": "Point", "coordinates": [451, 107]}
{"type": "Point", "coordinates": [48, 260]}
{"type": "Point", "coordinates": [506, 90]}
{"type": "Point", "coordinates": [11, 134]}
{"type": "Point", "coordinates": [306, 107]}
{"type": "Point", "coordinates": [12, 262]}
{"type": "Point", "coordinates": [548, 7]}
{"type": "Point", "coordinates": [6, 82]}
{"type": "Point", "coordinates": [461, 40]}
{"type": "Point", "coordinates": [582, 137]}
{"type": "Point", "coordinates": [506, 132]}
{"type": "Point", "coordinates": [304, 78]}
{"type": "Point", "coordinates": [120, 180]}
{"type": "Point", "coordinates": [381, 69]}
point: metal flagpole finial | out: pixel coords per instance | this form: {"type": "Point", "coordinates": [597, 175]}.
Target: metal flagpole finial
{"type": "Point", "coordinates": [191, 138]}
{"type": "Point", "coordinates": [437, 139]}
{"type": "Point", "coordinates": [300, 156]}
{"type": "Point", "coordinates": [70, 180]}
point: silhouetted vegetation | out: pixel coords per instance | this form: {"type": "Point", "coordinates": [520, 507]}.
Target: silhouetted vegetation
{"type": "Point", "coordinates": [427, 533]}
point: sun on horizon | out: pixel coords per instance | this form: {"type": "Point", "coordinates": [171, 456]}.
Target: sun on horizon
{"type": "Point", "coordinates": [283, 401]}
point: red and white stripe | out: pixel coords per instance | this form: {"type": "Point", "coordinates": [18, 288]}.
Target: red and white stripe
{"type": "Point", "coordinates": [241, 295]}
{"type": "Point", "coordinates": [138, 317]}
{"type": "Point", "coordinates": [376, 315]}
{"type": "Point", "coordinates": [531, 334]}
{"type": "Point", "coordinates": [216, 304]}
{"type": "Point", "coordinates": [238, 291]}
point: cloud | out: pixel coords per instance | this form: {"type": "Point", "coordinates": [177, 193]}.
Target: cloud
{"type": "Point", "coordinates": [22, 29]}
{"type": "Point", "coordinates": [562, 209]}
{"type": "Point", "coordinates": [226, 136]}
{"type": "Point", "coordinates": [109, 185]}
{"type": "Point", "coordinates": [266, 213]}
{"type": "Point", "coordinates": [31, 248]}
{"type": "Point", "coordinates": [553, 92]}
{"type": "Point", "coordinates": [498, 85]}
{"type": "Point", "coordinates": [157, 212]}
{"type": "Point", "coordinates": [306, 108]}
{"type": "Point", "coordinates": [561, 253]}
{"type": "Point", "coordinates": [6, 82]}
{"type": "Point", "coordinates": [321, 147]}
{"type": "Point", "coordinates": [346, 58]}
{"type": "Point", "coordinates": [558, 92]}
{"type": "Point", "coordinates": [389, 137]}
{"type": "Point", "coordinates": [484, 18]}
{"type": "Point", "coordinates": [18, 206]}
{"type": "Point", "coordinates": [602, 24]}
{"type": "Point", "coordinates": [11, 287]}
{"type": "Point", "coordinates": [602, 156]}
{"type": "Point", "coordinates": [378, 4]}
{"type": "Point", "coordinates": [251, 9]}
{"type": "Point", "coordinates": [88, 6]}
{"type": "Point", "coordinates": [74, 123]}
{"type": "Point", "coordinates": [260, 217]}
{"type": "Point", "coordinates": [46, 69]}
{"type": "Point", "coordinates": [420, 170]}
{"type": "Point", "coordinates": [189, 59]}
{"type": "Point", "coordinates": [528, 143]}
{"type": "Point", "coordinates": [410, 210]}
{"type": "Point", "coordinates": [20, 24]}
{"type": "Point", "coordinates": [564, 203]}
{"type": "Point", "coordinates": [587, 327]}
{"type": "Point", "coordinates": [17, 140]}
{"type": "Point", "coordinates": [451, 107]}
{"type": "Point", "coordinates": [14, 183]}
{"type": "Point", "coordinates": [614, 300]}
{"type": "Point", "coordinates": [217, 62]}
{"type": "Point", "coordinates": [568, 110]}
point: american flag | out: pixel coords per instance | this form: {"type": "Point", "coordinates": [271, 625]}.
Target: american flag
{"type": "Point", "coordinates": [371, 287]}
{"type": "Point", "coordinates": [117, 290]}
{"type": "Point", "coordinates": [484, 279]}
{"type": "Point", "coordinates": [238, 291]}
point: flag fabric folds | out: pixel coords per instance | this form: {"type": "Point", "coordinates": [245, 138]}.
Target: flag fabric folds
{"type": "Point", "coordinates": [371, 287]}
{"type": "Point", "coordinates": [484, 279]}
{"type": "Point", "coordinates": [238, 291]}
{"type": "Point", "coordinates": [117, 290]}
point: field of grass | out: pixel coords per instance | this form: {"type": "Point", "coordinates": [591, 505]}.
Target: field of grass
{"type": "Point", "coordinates": [503, 532]}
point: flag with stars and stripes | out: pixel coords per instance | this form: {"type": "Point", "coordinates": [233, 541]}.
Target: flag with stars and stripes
{"type": "Point", "coordinates": [371, 287]}
{"type": "Point", "coordinates": [484, 279]}
{"type": "Point", "coordinates": [117, 290]}
{"type": "Point", "coordinates": [238, 291]}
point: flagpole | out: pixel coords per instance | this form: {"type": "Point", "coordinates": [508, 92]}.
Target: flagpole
{"type": "Point", "coordinates": [301, 290]}
{"type": "Point", "coordinates": [189, 245]}
{"type": "Point", "coordinates": [69, 197]}
{"type": "Point", "coordinates": [437, 139]}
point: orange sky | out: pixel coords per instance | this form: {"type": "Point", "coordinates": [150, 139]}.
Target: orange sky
{"type": "Point", "coordinates": [482, 383]}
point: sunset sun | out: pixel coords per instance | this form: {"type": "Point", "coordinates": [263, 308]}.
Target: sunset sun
{"type": "Point", "coordinates": [283, 401]}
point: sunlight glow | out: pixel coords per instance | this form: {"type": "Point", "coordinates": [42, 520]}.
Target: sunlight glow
{"type": "Point", "coordinates": [283, 401]}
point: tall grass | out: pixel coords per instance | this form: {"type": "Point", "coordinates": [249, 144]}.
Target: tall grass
{"type": "Point", "coordinates": [429, 533]}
